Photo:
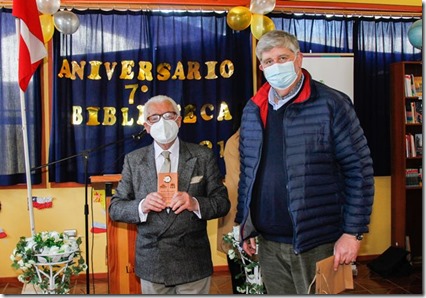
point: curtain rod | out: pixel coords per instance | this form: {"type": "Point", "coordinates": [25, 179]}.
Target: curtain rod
{"type": "Point", "coordinates": [292, 7]}
{"type": "Point", "coordinates": [350, 13]}
{"type": "Point", "coordinates": [349, 8]}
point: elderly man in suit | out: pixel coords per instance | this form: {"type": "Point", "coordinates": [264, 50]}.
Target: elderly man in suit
{"type": "Point", "coordinates": [172, 247]}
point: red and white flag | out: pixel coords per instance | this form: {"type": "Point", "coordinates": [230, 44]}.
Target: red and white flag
{"type": "Point", "coordinates": [31, 41]}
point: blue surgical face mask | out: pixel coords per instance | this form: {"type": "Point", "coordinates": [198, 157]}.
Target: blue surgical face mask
{"type": "Point", "coordinates": [280, 75]}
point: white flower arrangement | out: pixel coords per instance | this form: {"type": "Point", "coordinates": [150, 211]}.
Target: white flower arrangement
{"type": "Point", "coordinates": [253, 280]}
{"type": "Point", "coordinates": [45, 256]}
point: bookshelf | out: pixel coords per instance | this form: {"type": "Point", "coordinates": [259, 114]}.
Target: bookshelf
{"type": "Point", "coordinates": [406, 173]}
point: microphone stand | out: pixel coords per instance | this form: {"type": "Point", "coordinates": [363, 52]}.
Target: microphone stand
{"type": "Point", "coordinates": [85, 154]}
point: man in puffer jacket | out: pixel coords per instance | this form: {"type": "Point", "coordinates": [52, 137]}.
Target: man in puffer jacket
{"type": "Point", "coordinates": [306, 184]}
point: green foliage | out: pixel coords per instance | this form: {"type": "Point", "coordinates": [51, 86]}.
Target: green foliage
{"type": "Point", "coordinates": [253, 282]}
{"type": "Point", "coordinates": [48, 257]}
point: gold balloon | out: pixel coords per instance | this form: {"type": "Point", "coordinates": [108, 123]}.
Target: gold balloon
{"type": "Point", "coordinates": [239, 18]}
{"type": "Point", "coordinates": [47, 26]}
{"type": "Point", "coordinates": [261, 24]}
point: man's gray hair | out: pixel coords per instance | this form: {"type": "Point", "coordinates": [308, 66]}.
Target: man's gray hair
{"type": "Point", "coordinates": [157, 99]}
{"type": "Point", "coordinates": [276, 39]}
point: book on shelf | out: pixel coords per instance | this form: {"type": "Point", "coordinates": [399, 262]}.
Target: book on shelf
{"type": "Point", "coordinates": [413, 145]}
{"type": "Point", "coordinates": [418, 86]}
{"type": "Point", "coordinates": [407, 146]}
{"type": "Point", "coordinates": [418, 144]}
{"type": "Point", "coordinates": [413, 177]}
{"type": "Point", "coordinates": [418, 111]}
{"type": "Point", "coordinates": [413, 85]}
{"type": "Point", "coordinates": [408, 113]}
{"type": "Point", "coordinates": [408, 86]}
{"type": "Point", "coordinates": [413, 112]}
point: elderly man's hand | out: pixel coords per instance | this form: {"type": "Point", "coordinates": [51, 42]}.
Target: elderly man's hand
{"type": "Point", "coordinates": [153, 202]}
{"type": "Point", "coordinates": [183, 201]}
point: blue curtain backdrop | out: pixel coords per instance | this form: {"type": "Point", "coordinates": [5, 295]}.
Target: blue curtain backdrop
{"type": "Point", "coordinates": [318, 34]}
{"type": "Point", "coordinates": [375, 43]}
{"type": "Point", "coordinates": [12, 160]}
{"type": "Point", "coordinates": [141, 36]}
{"type": "Point", "coordinates": [116, 61]}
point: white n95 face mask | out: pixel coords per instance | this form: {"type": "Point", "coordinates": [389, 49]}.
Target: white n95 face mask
{"type": "Point", "coordinates": [281, 75]}
{"type": "Point", "coordinates": [164, 131]}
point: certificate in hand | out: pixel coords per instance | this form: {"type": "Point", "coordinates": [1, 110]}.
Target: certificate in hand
{"type": "Point", "coordinates": [167, 186]}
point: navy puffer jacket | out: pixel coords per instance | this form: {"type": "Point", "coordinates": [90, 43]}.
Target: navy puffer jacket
{"type": "Point", "coordinates": [330, 180]}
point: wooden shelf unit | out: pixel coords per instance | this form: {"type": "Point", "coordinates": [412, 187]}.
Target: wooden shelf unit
{"type": "Point", "coordinates": [406, 201]}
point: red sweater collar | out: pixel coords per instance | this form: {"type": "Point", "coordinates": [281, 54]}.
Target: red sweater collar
{"type": "Point", "coordinates": [261, 97]}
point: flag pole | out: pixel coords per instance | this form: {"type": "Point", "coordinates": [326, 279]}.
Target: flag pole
{"type": "Point", "coordinates": [25, 139]}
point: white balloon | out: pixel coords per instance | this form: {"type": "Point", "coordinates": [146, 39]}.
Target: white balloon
{"type": "Point", "coordinates": [66, 22]}
{"type": "Point", "coordinates": [262, 6]}
{"type": "Point", "coordinates": [48, 6]}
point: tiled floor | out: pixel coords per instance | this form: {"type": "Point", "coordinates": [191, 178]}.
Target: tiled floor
{"type": "Point", "coordinates": [366, 282]}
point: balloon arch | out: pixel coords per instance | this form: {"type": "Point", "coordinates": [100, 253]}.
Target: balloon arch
{"type": "Point", "coordinates": [240, 17]}
{"type": "Point", "coordinates": [51, 17]}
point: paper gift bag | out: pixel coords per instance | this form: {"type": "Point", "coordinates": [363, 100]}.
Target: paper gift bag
{"type": "Point", "coordinates": [328, 281]}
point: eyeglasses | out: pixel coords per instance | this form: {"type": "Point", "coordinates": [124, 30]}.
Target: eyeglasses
{"type": "Point", "coordinates": [166, 116]}
{"type": "Point", "coordinates": [279, 59]}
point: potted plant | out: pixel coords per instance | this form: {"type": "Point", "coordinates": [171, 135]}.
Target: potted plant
{"type": "Point", "coordinates": [48, 260]}
{"type": "Point", "coordinates": [253, 279]}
